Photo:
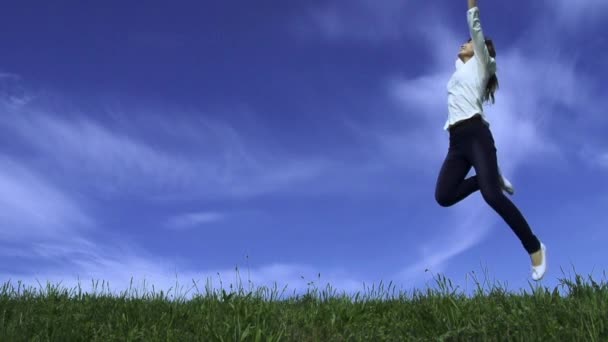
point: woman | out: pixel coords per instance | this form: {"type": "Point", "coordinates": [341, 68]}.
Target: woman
{"type": "Point", "coordinates": [472, 144]}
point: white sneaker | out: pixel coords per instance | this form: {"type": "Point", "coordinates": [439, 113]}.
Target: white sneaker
{"type": "Point", "coordinates": [506, 185]}
{"type": "Point", "coordinates": [539, 271]}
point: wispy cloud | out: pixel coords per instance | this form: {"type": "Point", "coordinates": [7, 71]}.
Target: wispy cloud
{"type": "Point", "coordinates": [577, 12]}
{"type": "Point", "coordinates": [362, 19]}
{"type": "Point", "coordinates": [8, 75]}
{"type": "Point", "coordinates": [602, 160]}
{"type": "Point", "coordinates": [594, 155]}
{"type": "Point", "coordinates": [468, 225]}
{"type": "Point", "coordinates": [193, 220]}
{"type": "Point", "coordinates": [12, 92]}
{"type": "Point", "coordinates": [214, 160]}
{"type": "Point", "coordinates": [33, 208]}
{"type": "Point", "coordinates": [123, 268]}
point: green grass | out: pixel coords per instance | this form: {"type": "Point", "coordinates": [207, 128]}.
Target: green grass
{"type": "Point", "coordinates": [576, 310]}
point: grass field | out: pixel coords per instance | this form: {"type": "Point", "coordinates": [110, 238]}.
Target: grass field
{"type": "Point", "coordinates": [576, 310]}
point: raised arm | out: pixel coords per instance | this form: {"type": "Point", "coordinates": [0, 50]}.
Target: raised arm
{"type": "Point", "coordinates": [479, 42]}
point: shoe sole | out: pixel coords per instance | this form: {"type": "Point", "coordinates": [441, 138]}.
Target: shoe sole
{"type": "Point", "coordinates": [544, 249]}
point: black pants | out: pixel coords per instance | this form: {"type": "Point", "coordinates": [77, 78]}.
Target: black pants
{"type": "Point", "coordinates": [472, 145]}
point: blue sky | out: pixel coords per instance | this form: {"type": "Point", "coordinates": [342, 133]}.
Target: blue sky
{"type": "Point", "coordinates": [181, 140]}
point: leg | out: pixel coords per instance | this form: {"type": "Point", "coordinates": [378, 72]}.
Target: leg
{"type": "Point", "coordinates": [483, 157]}
{"type": "Point", "coordinates": [451, 186]}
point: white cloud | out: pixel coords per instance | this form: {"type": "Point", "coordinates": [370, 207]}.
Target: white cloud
{"type": "Point", "coordinates": [370, 20]}
{"type": "Point", "coordinates": [579, 12]}
{"type": "Point", "coordinates": [594, 155]}
{"type": "Point", "coordinates": [602, 160]}
{"type": "Point", "coordinates": [192, 220]}
{"type": "Point", "coordinates": [363, 19]}
{"type": "Point", "coordinates": [124, 267]}
{"type": "Point", "coordinates": [8, 75]}
{"type": "Point", "coordinates": [212, 159]}
{"type": "Point", "coordinates": [34, 208]}
{"type": "Point", "coordinates": [12, 93]}
{"type": "Point", "coordinates": [467, 225]}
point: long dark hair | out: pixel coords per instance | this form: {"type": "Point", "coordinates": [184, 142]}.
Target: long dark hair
{"type": "Point", "coordinates": [492, 85]}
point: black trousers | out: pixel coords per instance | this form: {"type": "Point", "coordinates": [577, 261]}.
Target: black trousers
{"type": "Point", "coordinates": [472, 145]}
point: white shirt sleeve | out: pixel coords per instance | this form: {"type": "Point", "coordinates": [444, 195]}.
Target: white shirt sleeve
{"type": "Point", "coordinates": [479, 43]}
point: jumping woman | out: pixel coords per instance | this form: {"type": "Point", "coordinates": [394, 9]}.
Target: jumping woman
{"type": "Point", "coordinates": [472, 143]}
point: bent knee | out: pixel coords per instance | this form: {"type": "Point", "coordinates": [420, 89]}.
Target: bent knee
{"type": "Point", "coordinates": [443, 200]}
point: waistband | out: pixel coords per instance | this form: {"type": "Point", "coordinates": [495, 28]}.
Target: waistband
{"type": "Point", "coordinates": [461, 123]}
